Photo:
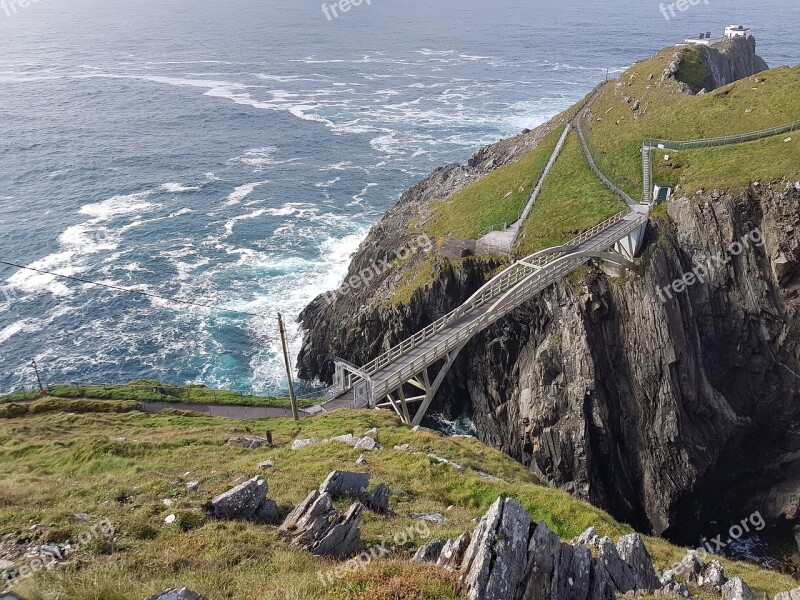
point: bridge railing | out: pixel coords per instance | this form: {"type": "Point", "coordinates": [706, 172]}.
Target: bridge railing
{"type": "Point", "coordinates": [497, 286]}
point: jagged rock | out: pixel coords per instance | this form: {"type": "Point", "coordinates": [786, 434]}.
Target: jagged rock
{"type": "Point", "coordinates": [377, 500]}
{"type": "Point", "coordinates": [432, 517]}
{"type": "Point", "coordinates": [430, 552]}
{"type": "Point", "coordinates": [486, 476]}
{"type": "Point", "coordinates": [373, 433]}
{"type": "Point", "coordinates": [632, 550]}
{"type": "Point", "coordinates": [346, 438]}
{"type": "Point", "coordinates": [453, 552]}
{"type": "Point", "coordinates": [510, 558]}
{"type": "Point", "coordinates": [192, 486]}
{"type": "Point", "coordinates": [403, 448]}
{"type": "Point", "coordinates": [251, 443]}
{"type": "Point", "coordinates": [492, 569]}
{"type": "Point", "coordinates": [11, 596]}
{"type": "Point", "coordinates": [736, 589]}
{"type": "Point", "coordinates": [621, 573]}
{"type": "Point", "coordinates": [361, 460]}
{"type": "Point", "coordinates": [267, 464]}
{"type": "Point", "coordinates": [671, 587]}
{"type": "Point", "coordinates": [689, 567]}
{"type": "Point", "coordinates": [318, 527]}
{"type": "Point", "coordinates": [366, 443]}
{"type": "Point", "coordinates": [297, 444]}
{"type": "Point", "coordinates": [344, 483]}
{"type": "Point", "coordinates": [177, 594]}
{"type": "Point", "coordinates": [792, 595]}
{"type": "Point", "coordinates": [247, 501]}
{"type": "Point", "coordinates": [712, 576]}
{"type": "Point", "coordinates": [588, 538]}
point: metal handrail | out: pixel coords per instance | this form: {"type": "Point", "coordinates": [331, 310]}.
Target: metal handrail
{"type": "Point", "coordinates": [499, 284]}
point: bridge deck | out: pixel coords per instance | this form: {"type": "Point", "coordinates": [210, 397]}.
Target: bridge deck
{"type": "Point", "coordinates": [501, 298]}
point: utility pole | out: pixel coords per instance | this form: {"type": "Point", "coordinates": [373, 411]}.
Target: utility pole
{"type": "Point", "coordinates": [39, 379]}
{"type": "Point", "coordinates": [292, 397]}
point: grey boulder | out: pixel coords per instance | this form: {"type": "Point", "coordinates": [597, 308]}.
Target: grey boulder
{"type": "Point", "coordinates": [251, 443]}
{"type": "Point", "coordinates": [430, 552]}
{"type": "Point", "coordinates": [177, 594]}
{"type": "Point", "coordinates": [632, 550]}
{"type": "Point", "coordinates": [792, 595]}
{"type": "Point", "coordinates": [377, 500]}
{"type": "Point", "coordinates": [344, 483]}
{"type": "Point", "coordinates": [247, 501]}
{"type": "Point", "coordinates": [736, 589]}
{"type": "Point", "coordinates": [318, 527]}
{"type": "Point", "coordinates": [452, 553]}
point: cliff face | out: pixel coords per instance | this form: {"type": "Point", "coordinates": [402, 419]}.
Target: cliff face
{"type": "Point", "coordinates": [669, 414]}
{"type": "Point", "coordinates": [730, 61]}
{"type": "Point", "coordinates": [671, 410]}
{"type": "Point", "coordinates": [361, 321]}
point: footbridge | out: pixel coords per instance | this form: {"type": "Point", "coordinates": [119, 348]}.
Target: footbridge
{"type": "Point", "coordinates": [411, 364]}
{"type": "Point", "coordinates": [410, 373]}
{"type": "Point", "coordinates": [383, 381]}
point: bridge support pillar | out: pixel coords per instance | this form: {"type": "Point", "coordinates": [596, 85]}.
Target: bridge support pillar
{"type": "Point", "coordinates": [631, 245]}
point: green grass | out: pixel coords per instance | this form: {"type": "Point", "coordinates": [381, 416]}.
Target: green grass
{"type": "Point", "coordinates": [765, 100]}
{"type": "Point", "coordinates": [693, 72]}
{"type": "Point", "coordinates": [495, 199]}
{"type": "Point", "coordinates": [122, 466]}
{"type": "Point", "coordinates": [729, 167]}
{"type": "Point", "coordinates": [572, 200]}
{"type": "Point", "coordinates": [153, 391]}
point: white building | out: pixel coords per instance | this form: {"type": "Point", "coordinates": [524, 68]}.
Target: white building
{"type": "Point", "coordinates": [731, 32]}
{"type": "Point", "coordinates": [735, 31]}
{"type": "Point", "coordinates": [704, 39]}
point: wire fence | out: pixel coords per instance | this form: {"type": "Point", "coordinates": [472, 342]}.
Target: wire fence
{"type": "Point", "coordinates": [725, 140]}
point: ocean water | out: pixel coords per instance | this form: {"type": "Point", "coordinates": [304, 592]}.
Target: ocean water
{"type": "Point", "coordinates": [236, 154]}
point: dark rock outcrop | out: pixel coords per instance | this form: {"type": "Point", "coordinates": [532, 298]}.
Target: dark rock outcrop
{"type": "Point", "coordinates": [430, 552]}
{"type": "Point", "coordinates": [377, 499]}
{"type": "Point", "coordinates": [318, 527]}
{"type": "Point", "coordinates": [344, 483]}
{"type": "Point", "coordinates": [341, 484]}
{"type": "Point", "coordinates": [509, 557]}
{"type": "Point", "coordinates": [247, 501]}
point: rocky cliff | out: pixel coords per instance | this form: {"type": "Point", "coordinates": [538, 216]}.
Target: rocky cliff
{"type": "Point", "coordinates": [731, 61]}
{"type": "Point", "coordinates": [723, 63]}
{"type": "Point", "coordinates": [672, 410]}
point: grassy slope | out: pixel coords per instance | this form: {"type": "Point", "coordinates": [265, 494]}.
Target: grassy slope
{"type": "Point", "coordinates": [729, 166]}
{"type": "Point", "coordinates": [496, 198]}
{"type": "Point", "coordinates": [53, 466]}
{"type": "Point", "coordinates": [765, 100]}
{"type": "Point", "coordinates": [145, 392]}
{"type": "Point", "coordinates": [572, 200]}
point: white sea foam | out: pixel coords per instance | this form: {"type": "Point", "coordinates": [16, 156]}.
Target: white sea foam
{"type": "Point", "coordinates": [243, 191]}
{"type": "Point", "coordinates": [178, 187]}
